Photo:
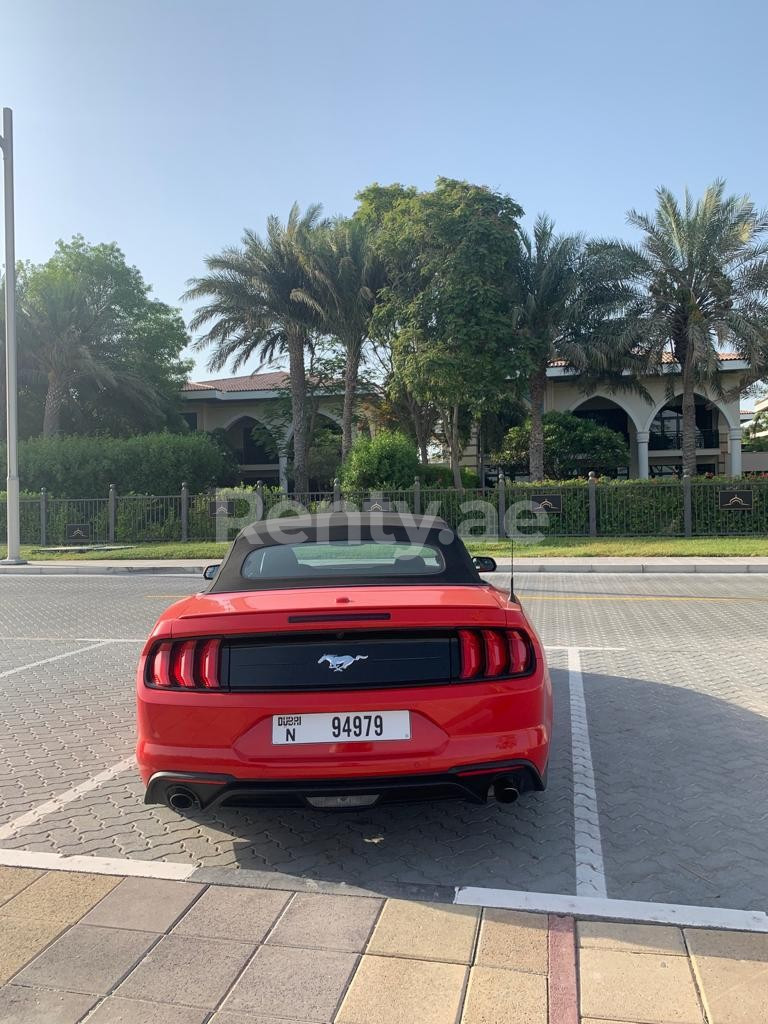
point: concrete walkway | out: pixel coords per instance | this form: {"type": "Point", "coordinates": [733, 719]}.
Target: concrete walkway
{"type": "Point", "coordinates": [113, 950]}
{"type": "Point", "coordinates": [193, 566]}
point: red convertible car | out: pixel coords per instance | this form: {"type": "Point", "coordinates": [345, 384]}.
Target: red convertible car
{"type": "Point", "coordinates": [340, 661]}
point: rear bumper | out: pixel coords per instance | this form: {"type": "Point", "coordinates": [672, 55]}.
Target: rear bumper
{"type": "Point", "coordinates": [471, 783]}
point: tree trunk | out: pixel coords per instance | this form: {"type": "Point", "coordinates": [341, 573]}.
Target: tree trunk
{"type": "Point", "coordinates": [455, 444]}
{"type": "Point", "coordinates": [536, 452]}
{"type": "Point", "coordinates": [54, 402]}
{"type": "Point", "coordinates": [689, 416]}
{"type": "Point", "coordinates": [420, 430]}
{"type": "Point", "coordinates": [351, 370]}
{"type": "Point", "coordinates": [296, 341]}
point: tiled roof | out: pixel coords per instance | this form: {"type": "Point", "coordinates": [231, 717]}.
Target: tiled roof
{"type": "Point", "coordinates": [248, 382]}
{"type": "Point", "coordinates": [666, 358]}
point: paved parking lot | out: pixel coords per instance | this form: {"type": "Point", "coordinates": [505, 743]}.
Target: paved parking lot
{"type": "Point", "coordinates": [657, 784]}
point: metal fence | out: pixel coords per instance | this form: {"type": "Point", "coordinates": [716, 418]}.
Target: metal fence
{"type": "Point", "coordinates": [657, 508]}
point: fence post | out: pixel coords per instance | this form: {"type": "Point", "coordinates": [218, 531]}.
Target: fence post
{"type": "Point", "coordinates": [184, 512]}
{"type": "Point", "coordinates": [43, 517]}
{"type": "Point", "coordinates": [687, 506]}
{"type": "Point", "coordinates": [501, 494]}
{"type": "Point", "coordinates": [417, 496]}
{"type": "Point", "coordinates": [336, 494]}
{"type": "Point", "coordinates": [112, 514]}
{"type": "Point", "coordinates": [592, 504]}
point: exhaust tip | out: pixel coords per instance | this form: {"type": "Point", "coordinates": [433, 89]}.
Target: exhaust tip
{"type": "Point", "coordinates": [505, 790]}
{"type": "Point", "coordinates": [179, 798]}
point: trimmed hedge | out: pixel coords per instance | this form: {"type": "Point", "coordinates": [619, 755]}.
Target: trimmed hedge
{"type": "Point", "coordinates": [144, 464]}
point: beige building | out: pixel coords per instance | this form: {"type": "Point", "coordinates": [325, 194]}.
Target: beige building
{"type": "Point", "coordinates": [652, 427]}
{"type": "Point", "coordinates": [237, 404]}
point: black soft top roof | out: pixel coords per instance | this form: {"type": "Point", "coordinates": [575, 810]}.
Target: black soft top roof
{"type": "Point", "coordinates": [337, 526]}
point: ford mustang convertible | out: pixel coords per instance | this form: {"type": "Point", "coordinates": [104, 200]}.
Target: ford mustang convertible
{"type": "Point", "coordinates": [341, 661]}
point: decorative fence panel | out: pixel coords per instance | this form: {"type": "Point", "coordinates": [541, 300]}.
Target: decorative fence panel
{"type": "Point", "coordinates": [550, 509]}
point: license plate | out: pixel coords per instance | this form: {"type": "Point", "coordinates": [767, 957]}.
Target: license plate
{"type": "Point", "coordinates": [344, 727]}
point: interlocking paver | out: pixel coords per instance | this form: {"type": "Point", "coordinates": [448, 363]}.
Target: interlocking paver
{"type": "Point", "coordinates": [513, 940]}
{"type": "Point", "coordinates": [147, 904]}
{"type": "Point", "coordinates": [189, 972]}
{"type": "Point", "coordinates": [640, 938]}
{"type": "Point", "coordinates": [498, 996]}
{"type": "Point", "coordinates": [425, 931]}
{"type": "Point", "coordinates": [389, 990]}
{"type": "Point", "coordinates": [300, 984]}
{"type": "Point", "coordinates": [60, 724]}
{"type": "Point", "coordinates": [87, 959]}
{"type": "Point", "coordinates": [327, 922]}
{"type": "Point", "coordinates": [59, 897]}
{"type": "Point", "coordinates": [233, 913]}
{"type": "Point", "coordinates": [643, 987]}
{"type": "Point", "coordinates": [116, 1010]}
{"type": "Point", "coordinates": [22, 1005]}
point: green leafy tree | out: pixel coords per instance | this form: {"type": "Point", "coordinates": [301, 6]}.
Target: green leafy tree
{"type": "Point", "coordinates": [446, 309]}
{"type": "Point", "coordinates": [255, 303]}
{"type": "Point", "coordinates": [573, 446]}
{"type": "Point", "coordinates": [697, 282]}
{"type": "Point", "coordinates": [387, 461]}
{"type": "Point", "coordinates": [97, 353]}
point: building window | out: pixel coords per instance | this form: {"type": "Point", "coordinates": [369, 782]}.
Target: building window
{"type": "Point", "coordinates": [190, 419]}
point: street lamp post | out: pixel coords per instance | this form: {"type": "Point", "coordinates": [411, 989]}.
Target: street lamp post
{"type": "Point", "coordinates": [11, 392]}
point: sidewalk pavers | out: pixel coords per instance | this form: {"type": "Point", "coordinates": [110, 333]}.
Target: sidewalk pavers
{"type": "Point", "coordinates": [101, 949]}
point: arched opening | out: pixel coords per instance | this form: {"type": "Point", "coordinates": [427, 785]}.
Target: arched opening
{"type": "Point", "coordinates": [666, 430]}
{"type": "Point", "coordinates": [605, 412]}
{"type": "Point", "coordinates": [254, 447]}
{"type": "Point", "coordinates": [665, 439]}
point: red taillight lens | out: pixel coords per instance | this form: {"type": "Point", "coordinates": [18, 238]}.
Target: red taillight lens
{"type": "Point", "coordinates": [209, 664]}
{"type": "Point", "coordinates": [193, 664]}
{"type": "Point", "coordinates": [496, 653]}
{"type": "Point", "coordinates": [160, 672]}
{"type": "Point", "coordinates": [519, 652]}
{"type": "Point", "coordinates": [471, 654]}
{"type": "Point", "coordinates": [490, 653]}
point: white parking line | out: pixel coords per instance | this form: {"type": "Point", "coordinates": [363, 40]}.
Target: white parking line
{"type": "Point", "coordinates": [56, 657]}
{"type": "Point", "coordinates": [590, 869]}
{"type": "Point", "coordinates": [53, 805]}
{"type": "Point", "coordinates": [96, 865]}
{"type": "Point", "coordinates": [606, 909]}
{"type": "Point", "coordinates": [81, 639]}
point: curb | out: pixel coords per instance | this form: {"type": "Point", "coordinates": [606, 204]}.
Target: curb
{"type": "Point", "coordinates": [94, 569]}
{"type": "Point", "coordinates": [521, 566]}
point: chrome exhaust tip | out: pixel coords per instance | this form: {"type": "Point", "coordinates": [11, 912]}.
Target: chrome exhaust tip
{"type": "Point", "coordinates": [179, 798]}
{"type": "Point", "coordinates": [505, 790]}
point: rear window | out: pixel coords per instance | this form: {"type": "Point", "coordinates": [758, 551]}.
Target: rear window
{"type": "Point", "coordinates": [342, 558]}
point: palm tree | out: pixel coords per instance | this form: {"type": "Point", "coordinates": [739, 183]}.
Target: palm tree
{"type": "Point", "coordinates": [345, 276]}
{"type": "Point", "coordinates": [548, 303]}
{"type": "Point", "coordinates": [697, 282]}
{"type": "Point", "coordinates": [257, 306]}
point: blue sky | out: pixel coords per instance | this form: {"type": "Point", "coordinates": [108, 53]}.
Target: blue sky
{"type": "Point", "coordinates": [169, 125]}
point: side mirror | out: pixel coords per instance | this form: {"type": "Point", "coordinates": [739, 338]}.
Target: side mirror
{"type": "Point", "coordinates": [484, 564]}
{"type": "Point", "coordinates": [210, 571]}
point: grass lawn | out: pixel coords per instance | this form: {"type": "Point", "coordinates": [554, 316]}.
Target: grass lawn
{"type": "Point", "coordinates": [578, 547]}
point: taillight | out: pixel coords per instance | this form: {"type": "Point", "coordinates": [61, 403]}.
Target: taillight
{"type": "Point", "coordinates": [491, 653]}
{"type": "Point", "coordinates": [209, 664]}
{"type": "Point", "coordinates": [192, 664]}
{"type": "Point", "coordinates": [471, 654]}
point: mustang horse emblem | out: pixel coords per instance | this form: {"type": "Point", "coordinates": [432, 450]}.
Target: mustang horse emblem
{"type": "Point", "coordinates": [338, 662]}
